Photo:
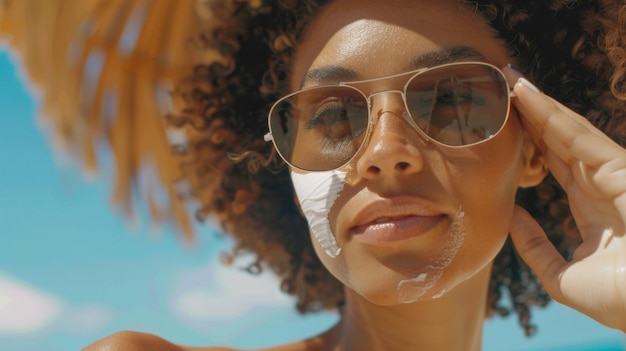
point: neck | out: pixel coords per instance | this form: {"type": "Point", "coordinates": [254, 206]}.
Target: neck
{"type": "Point", "coordinates": [452, 322]}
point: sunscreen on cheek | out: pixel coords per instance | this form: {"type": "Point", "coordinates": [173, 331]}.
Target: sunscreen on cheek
{"type": "Point", "coordinates": [317, 192]}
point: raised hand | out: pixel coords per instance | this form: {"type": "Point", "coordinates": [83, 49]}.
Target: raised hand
{"type": "Point", "coordinates": [591, 168]}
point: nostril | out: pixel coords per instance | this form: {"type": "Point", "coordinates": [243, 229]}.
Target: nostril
{"type": "Point", "coordinates": [401, 166]}
{"type": "Point", "coordinates": [373, 170]}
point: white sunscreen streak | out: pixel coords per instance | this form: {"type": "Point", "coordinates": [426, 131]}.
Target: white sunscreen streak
{"type": "Point", "coordinates": [410, 290]}
{"type": "Point", "coordinates": [440, 294]}
{"type": "Point", "coordinates": [317, 192]}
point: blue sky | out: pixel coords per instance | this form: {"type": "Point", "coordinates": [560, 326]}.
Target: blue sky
{"type": "Point", "coordinates": [73, 271]}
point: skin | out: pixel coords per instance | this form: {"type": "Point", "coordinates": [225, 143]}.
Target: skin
{"type": "Point", "coordinates": [402, 173]}
{"type": "Point", "coordinates": [441, 179]}
{"type": "Point", "coordinates": [398, 163]}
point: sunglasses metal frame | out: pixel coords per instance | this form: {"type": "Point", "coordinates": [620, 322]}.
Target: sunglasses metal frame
{"type": "Point", "coordinates": [370, 118]}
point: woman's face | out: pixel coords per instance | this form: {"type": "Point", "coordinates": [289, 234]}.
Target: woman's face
{"type": "Point", "coordinates": [406, 219]}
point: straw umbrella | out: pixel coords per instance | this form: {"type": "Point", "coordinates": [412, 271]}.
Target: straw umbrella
{"type": "Point", "coordinates": [105, 71]}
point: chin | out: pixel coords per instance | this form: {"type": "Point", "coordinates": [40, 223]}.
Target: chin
{"type": "Point", "coordinates": [424, 286]}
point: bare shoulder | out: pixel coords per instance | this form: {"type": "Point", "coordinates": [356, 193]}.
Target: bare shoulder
{"type": "Point", "coordinates": [322, 342]}
{"type": "Point", "coordinates": [136, 341]}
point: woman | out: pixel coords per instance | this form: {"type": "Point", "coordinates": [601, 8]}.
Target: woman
{"type": "Point", "coordinates": [407, 132]}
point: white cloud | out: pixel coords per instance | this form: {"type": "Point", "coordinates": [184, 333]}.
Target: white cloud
{"type": "Point", "coordinates": [232, 307]}
{"type": "Point", "coordinates": [25, 309]}
{"type": "Point", "coordinates": [219, 293]}
{"type": "Point", "coordinates": [85, 319]}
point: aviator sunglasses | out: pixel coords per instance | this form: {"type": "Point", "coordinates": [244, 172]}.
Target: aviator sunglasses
{"type": "Point", "coordinates": [455, 105]}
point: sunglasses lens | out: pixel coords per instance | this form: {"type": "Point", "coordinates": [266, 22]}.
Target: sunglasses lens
{"type": "Point", "coordinates": [459, 105]}
{"type": "Point", "coordinates": [321, 128]}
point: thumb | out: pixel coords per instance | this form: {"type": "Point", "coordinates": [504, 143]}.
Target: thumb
{"type": "Point", "coordinates": [537, 251]}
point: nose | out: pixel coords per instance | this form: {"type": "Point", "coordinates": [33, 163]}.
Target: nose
{"type": "Point", "coordinates": [392, 148]}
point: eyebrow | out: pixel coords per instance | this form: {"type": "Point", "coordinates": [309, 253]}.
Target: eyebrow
{"type": "Point", "coordinates": [329, 74]}
{"type": "Point", "coordinates": [447, 55]}
{"type": "Point", "coordinates": [334, 74]}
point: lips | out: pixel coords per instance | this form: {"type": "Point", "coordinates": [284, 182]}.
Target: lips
{"type": "Point", "coordinates": [389, 221]}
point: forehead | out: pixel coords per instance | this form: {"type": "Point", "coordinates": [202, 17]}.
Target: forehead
{"type": "Point", "coordinates": [375, 38]}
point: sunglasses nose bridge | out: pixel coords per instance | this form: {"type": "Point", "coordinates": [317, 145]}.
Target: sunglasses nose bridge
{"type": "Point", "coordinates": [391, 100]}
{"type": "Point", "coordinates": [384, 104]}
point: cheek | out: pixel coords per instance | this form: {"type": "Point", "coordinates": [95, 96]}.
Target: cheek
{"type": "Point", "coordinates": [486, 187]}
{"type": "Point", "coordinates": [487, 175]}
{"type": "Point", "coordinates": [317, 193]}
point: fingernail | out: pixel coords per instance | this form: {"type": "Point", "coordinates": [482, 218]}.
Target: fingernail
{"type": "Point", "coordinates": [523, 81]}
{"type": "Point", "coordinates": [515, 68]}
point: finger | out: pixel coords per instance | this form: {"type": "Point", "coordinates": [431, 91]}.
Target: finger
{"type": "Point", "coordinates": [589, 207]}
{"type": "Point", "coordinates": [537, 251]}
{"type": "Point", "coordinates": [605, 181]}
{"type": "Point", "coordinates": [573, 175]}
{"type": "Point", "coordinates": [566, 133]}
{"type": "Point", "coordinates": [512, 76]}
{"type": "Point", "coordinates": [620, 204]}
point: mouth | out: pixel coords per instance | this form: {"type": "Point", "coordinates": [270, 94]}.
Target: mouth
{"type": "Point", "coordinates": [391, 221]}
{"type": "Point", "coordinates": [389, 230]}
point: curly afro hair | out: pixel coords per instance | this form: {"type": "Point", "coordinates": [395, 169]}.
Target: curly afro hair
{"type": "Point", "coordinates": [574, 50]}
